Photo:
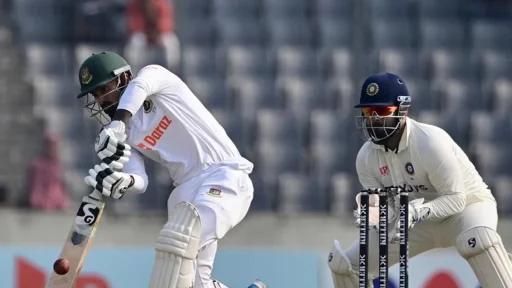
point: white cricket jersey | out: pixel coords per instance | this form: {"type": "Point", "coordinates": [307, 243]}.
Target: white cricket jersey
{"type": "Point", "coordinates": [428, 164]}
{"type": "Point", "coordinates": [172, 127]}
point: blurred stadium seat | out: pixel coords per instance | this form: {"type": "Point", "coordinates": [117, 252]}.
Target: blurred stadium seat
{"type": "Point", "coordinates": [335, 32]}
{"type": "Point", "coordinates": [499, 95]}
{"type": "Point", "coordinates": [228, 8]}
{"type": "Point", "coordinates": [299, 193]}
{"type": "Point", "coordinates": [291, 61]}
{"type": "Point", "coordinates": [495, 65]}
{"type": "Point", "coordinates": [278, 9]}
{"type": "Point", "coordinates": [393, 33]}
{"type": "Point", "coordinates": [446, 63]}
{"type": "Point", "coordinates": [501, 191]}
{"type": "Point", "coordinates": [491, 35]}
{"type": "Point", "coordinates": [282, 77]}
{"type": "Point", "coordinates": [440, 9]}
{"type": "Point", "coordinates": [196, 9]}
{"type": "Point", "coordinates": [211, 90]}
{"type": "Point", "coordinates": [340, 94]}
{"type": "Point", "coordinates": [335, 9]}
{"type": "Point", "coordinates": [492, 159]}
{"type": "Point", "coordinates": [233, 124]}
{"type": "Point", "coordinates": [199, 32]}
{"type": "Point", "coordinates": [290, 32]}
{"type": "Point", "coordinates": [239, 30]}
{"type": "Point", "coordinates": [48, 59]}
{"type": "Point", "coordinates": [244, 61]}
{"type": "Point", "coordinates": [198, 61]}
{"type": "Point", "coordinates": [401, 62]}
{"type": "Point", "coordinates": [458, 95]}
{"type": "Point", "coordinates": [342, 200]}
{"type": "Point", "coordinates": [443, 34]}
{"type": "Point", "coordinates": [337, 62]}
{"type": "Point", "coordinates": [384, 10]}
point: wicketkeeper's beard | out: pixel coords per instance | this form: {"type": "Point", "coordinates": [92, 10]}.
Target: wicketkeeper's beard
{"type": "Point", "coordinates": [381, 131]}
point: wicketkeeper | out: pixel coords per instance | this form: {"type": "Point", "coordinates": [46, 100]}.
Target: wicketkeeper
{"type": "Point", "coordinates": [450, 205]}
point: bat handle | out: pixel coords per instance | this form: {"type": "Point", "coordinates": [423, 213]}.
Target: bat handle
{"type": "Point", "coordinates": [96, 194]}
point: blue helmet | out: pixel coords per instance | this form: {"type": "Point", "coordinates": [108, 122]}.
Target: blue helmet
{"type": "Point", "coordinates": [383, 89]}
{"type": "Point", "coordinates": [384, 102]}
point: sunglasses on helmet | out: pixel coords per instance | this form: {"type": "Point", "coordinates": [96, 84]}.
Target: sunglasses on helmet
{"type": "Point", "coordinates": [379, 111]}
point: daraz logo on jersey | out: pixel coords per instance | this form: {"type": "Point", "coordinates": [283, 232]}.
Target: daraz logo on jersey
{"type": "Point", "coordinates": [151, 140]}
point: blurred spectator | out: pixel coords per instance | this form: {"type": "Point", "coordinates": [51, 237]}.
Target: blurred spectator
{"type": "Point", "coordinates": [151, 34]}
{"type": "Point", "coordinates": [46, 179]}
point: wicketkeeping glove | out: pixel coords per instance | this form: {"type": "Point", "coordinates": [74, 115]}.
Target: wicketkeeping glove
{"type": "Point", "coordinates": [417, 213]}
{"type": "Point", "coordinates": [373, 212]}
{"type": "Point", "coordinates": [110, 146]}
{"type": "Point", "coordinates": [109, 182]}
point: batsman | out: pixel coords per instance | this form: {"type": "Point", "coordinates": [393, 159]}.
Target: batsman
{"type": "Point", "coordinates": [449, 203]}
{"type": "Point", "coordinates": [155, 116]}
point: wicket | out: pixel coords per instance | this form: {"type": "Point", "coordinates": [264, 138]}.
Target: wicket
{"type": "Point", "coordinates": [384, 236]}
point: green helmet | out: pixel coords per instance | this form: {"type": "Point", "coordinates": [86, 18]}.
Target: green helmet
{"type": "Point", "coordinates": [99, 69]}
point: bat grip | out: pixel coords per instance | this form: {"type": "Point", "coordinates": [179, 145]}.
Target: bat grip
{"type": "Point", "coordinates": [96, 194]}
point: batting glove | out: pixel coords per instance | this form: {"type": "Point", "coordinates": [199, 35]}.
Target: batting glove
{"type": "Point", "coordinates": [109, 145]}
{"type": "Point", "coordinates": [109, 182]}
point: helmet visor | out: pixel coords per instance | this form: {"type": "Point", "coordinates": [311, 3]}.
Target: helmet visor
{"type": "Point", "coordinates": [379, 111]}
{"type": "Point", "coordinates": [105, 112]}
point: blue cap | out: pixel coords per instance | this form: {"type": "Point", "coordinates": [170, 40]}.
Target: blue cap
{"type": "Point", "coordinates": [383, 89]}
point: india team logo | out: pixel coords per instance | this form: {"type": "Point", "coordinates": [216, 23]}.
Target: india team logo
{"type": "Point", "coordinates": [372, 89]}
{"type": "Point", "coordinates": [409, 168]}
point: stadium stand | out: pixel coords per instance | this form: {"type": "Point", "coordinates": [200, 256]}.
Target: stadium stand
{"type": "Point", "coordinates": [282, 76]}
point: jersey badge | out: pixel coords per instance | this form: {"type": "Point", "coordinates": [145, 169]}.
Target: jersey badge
{"type": "Point", "coordinates": [214, 193]}
{"type": "Point", "coordinates": [384, 170]}
{"type": "Point", "coordinates": [85, 76]}
{"type": "Point", "coordinates": [409, 168]}
{"type": "Point", "coordinates": [148, 106]}
{"type": "Point", "coordinates": [372, 89]}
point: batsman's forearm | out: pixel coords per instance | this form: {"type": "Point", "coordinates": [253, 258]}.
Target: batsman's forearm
{"type": "Point", "coordinates": [122, 115]}
{"type": "Point", "coordinates": [446, 205]}
{"type": "Point", "coordinates": [133, 97]}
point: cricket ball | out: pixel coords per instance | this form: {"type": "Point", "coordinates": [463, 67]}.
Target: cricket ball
{"type": "Point", "coordinates": [61, 266]}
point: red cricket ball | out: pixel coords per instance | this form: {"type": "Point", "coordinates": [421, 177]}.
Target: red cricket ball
{"type": "Point", "coordinates": [61, 266]}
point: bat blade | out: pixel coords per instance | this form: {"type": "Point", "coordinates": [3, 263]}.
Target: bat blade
{"type": "Point", "coordinates": [79, 240]}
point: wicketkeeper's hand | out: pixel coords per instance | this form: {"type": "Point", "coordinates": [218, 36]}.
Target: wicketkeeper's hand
{"type": "Point", "coordinates": [417, 213]}
{"type": "Point", "coordinates": [109, 182]}
{"type": "Point", "coordinates": [373, 212]}
{"type": "Point", "coordinates": [110, 146]}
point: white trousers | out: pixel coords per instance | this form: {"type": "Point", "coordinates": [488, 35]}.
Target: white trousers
{"type": "Point", "coordinates": [430, 234]}
{"type": "Point", "coordinates": [219, 213]}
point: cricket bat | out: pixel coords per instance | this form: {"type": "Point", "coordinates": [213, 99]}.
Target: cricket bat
{"type": "Point", "coordinates": [79, 240]}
